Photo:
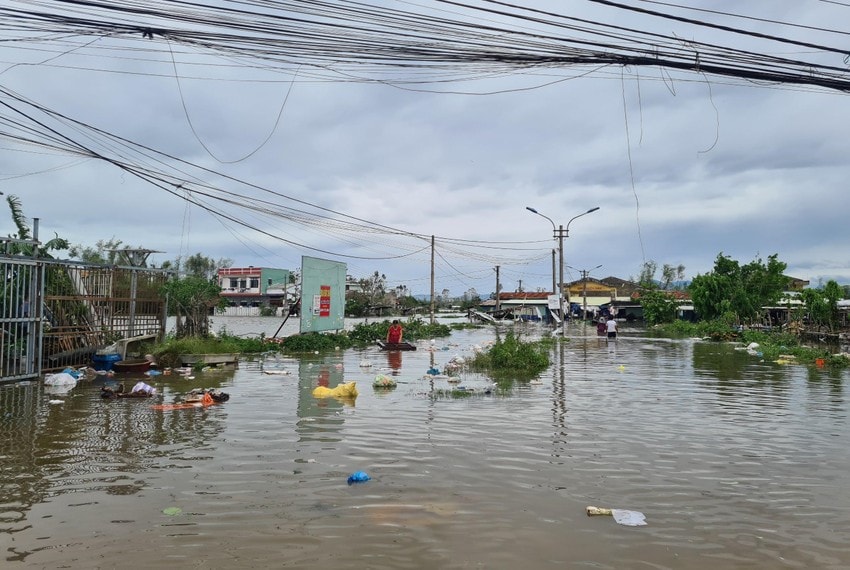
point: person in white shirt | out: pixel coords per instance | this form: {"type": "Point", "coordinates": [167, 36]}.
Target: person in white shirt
{"type": "Point", "coordinates": [611, 327]}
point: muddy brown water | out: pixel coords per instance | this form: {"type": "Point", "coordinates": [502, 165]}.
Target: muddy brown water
{"type": "Point", "coordinates": [736, 463]}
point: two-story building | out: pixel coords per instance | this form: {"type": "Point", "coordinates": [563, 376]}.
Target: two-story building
{"type": "Point", "coordinates": [255, 286]}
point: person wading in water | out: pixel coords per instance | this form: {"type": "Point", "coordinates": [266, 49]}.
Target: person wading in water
{"type": "Point", "coordinates": [395, 333]}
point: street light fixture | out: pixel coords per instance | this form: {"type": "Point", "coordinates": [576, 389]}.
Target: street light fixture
{"type": "Point", "coordinates": [560, 233]}
{"type": "Point", "coordinates": [555, 290]}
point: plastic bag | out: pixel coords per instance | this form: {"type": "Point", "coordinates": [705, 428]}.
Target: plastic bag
{"type": "Point", "coordinates": [345, 390]}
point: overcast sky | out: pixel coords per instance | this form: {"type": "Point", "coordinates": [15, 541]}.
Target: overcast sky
{"type": "Point", "coordinates": [683, 166]}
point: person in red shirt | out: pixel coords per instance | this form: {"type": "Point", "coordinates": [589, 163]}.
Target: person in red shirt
{"type": "Point", "coordinates": [394, 333]}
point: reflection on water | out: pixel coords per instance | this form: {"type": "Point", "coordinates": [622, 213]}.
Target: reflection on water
{"type": "Point", "coordinates": [736, 463]}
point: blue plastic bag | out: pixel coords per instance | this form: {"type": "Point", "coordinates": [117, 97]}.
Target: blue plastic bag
{"type": "Point", "coordinates": [358, 477]}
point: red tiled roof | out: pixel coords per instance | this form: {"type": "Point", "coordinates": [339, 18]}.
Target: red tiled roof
{"type": "Point", "coordinates": [522, 295]}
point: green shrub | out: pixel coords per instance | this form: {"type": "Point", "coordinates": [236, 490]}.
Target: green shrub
{"type": "Point", "coordinates": [312, 342]}
{"type": "Point", "coordinates": [513, 358]}
{"type": "Point", "coordinates": [772, 344]}
{"type": "Point", "coordinates": [414, 329]}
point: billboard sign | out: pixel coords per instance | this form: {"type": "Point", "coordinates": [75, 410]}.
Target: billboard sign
{"type": "Point", "coordinates": [322, 295]}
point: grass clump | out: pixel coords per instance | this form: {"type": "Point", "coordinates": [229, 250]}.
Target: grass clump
{"type": "Point", "coordinates": [312, 342]}
{"type": "Point", "coordinates": [513, 358]}
{"type": "Point", "coordinates": [167, 353]}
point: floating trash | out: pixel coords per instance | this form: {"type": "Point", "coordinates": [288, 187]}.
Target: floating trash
{"type": "Point", "coordinates": [345, 390]}
{"type": "Point", "coordinates": [621, 516]}
{"type": "Point", "coordinates": [172, 511]}
{"type": "Point", "coordinates": [383, 381]}
{"type": "Point", "coordinates": [358, 477]}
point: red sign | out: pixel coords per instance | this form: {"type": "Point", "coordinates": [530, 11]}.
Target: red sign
{"type": "Point", "coordinates": [325, 301]}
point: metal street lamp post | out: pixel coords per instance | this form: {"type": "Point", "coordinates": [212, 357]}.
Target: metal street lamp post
{"type": "Point", "coordinates": [560, 233]}
{"type": "Point", "coordinates": [558, 291]}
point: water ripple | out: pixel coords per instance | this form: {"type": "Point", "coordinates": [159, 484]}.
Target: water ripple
{"type": "Point", "coordinates": [736, 463]}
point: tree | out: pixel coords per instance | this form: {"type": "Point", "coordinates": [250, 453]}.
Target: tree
{"type": "Point", "coordinates": [192, 299]}
{"type": "Point", "coordinates": [647, 274]}
{"type": "Point", "coordinates": [409, 302]}
{"type": "Point", "coordinates": [658, 304]}
{"type": "Point", "coordinates": [738, 293]}
{"type": "Point", "coordinates": [822, 304]}
{"type": "Point", "coordinates": [104, 252]}
{"type": "Point", "coordinates": [356, 304]}
{"type": "Point", "coordinates": [670, 274]}
{"type": "Point", "coordinates": [833, 293]}
{"type": "Point", "coordinates": [374, 288]}
{"type": "Point", "coordinates": [470, 302]}
{"type": "Point", "coordinates": [199, 265]}
{"type": "Point", "coordinates": [24, 233]}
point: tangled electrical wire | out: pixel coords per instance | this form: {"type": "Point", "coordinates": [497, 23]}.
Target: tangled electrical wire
{"type": "Point", "coordinates": [426, 45]}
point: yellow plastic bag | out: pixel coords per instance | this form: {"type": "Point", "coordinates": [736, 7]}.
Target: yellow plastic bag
{"type": "Point", "coordinates": [345, 390]}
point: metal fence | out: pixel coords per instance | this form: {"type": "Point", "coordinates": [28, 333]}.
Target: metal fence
{"type": "Point", "coordinates": [55, 314]}
{"type": "Point", "coordinates": [20, 315]}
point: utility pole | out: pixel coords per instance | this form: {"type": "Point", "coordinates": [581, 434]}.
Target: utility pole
{"type": "Point", "coordinates": [554, 288]}
{"type": "Point", "coordinates": [433, 320]}
{"type": "Point", "coordinates": [498, 305]}
{"type": "Point", "coordinates": [584, 294]}
{"type": "Point", "coordinates": [559, 234]}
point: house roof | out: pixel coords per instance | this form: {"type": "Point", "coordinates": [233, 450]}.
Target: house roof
{"type": "Point", "coordinates": [675, 293]}
{"type": "Point", "coordinates": [796, 283]}
{"type": "Point", "coordinates": [591, 284]}
{"type": "Point", "coordinates": [532, 295]}
{"type": "Point", "coordinates": [624, 288]}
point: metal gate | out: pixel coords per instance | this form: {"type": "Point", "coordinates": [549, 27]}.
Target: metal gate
{"type": "Point", "coordinates": [55, 314]}
{"type": "Point", "coordinates": [21, 307]}
{"type": "Point", "coordinates": [90, 307]}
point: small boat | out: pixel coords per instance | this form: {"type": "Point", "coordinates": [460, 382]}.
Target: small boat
{"type": "Point", "coordinates": [125, 366]}
{"type": "Point", "coordinates": [396, 345]}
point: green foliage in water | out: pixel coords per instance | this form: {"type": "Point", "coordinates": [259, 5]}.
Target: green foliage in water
{"type": "Point", "coordinates": [512, 357]}
{"type": "Point", "coordinates": [776, 345]}
{"type": "Point", "coordinates": [773, 345]}
{"type": "Point", "coordinates": [414, 329]}
{"type": "Point", "coordinates": [467, 326]}
{"type": "Point", "coordinates": [455, 394]}
{"type": "Point", "coordinates": [717, 329]}
{"type": "Point", "coordinates": [312, 342]}
{"type": "Point", "coordinates": [224, 344]}
{"type": "Point", "coordinates": [167, 353]}
{"type": "Point", "coordinates": [362, 334]}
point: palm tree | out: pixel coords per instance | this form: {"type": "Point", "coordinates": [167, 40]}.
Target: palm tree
{"type": "Point", "coordinates": [25, 234]}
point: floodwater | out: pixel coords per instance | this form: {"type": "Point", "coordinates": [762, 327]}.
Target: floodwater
{"type": "Point", "coordinates": [736, 463]}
